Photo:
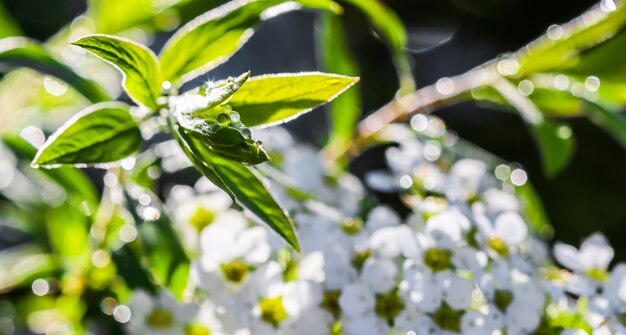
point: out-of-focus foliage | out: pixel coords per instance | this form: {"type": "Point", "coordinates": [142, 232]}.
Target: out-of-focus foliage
{"type": "Point", "coordinates": [21, 51]}
{"type": "Point", "coordinates": [8, 26]}
{"type": "Point", "coordinates": [337, 58]}
{"type": "Point", "coordinates": [557, 75]}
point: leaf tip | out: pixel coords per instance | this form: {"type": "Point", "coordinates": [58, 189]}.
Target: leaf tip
{"type": "Point", "coordinates": [79, 42]}
{"type": "Point", "coordinates": [293, 242]}
{"type": "Point", "coordinates": [37, 162]}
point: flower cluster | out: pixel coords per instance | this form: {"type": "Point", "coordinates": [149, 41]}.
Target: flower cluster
{"type": "Point", "coordinates": [465, 260]}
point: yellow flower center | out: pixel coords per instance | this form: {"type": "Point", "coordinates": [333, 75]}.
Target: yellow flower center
{"type": "Point", "coordinates": [235, 271]}
{"type": "Point", "coordinates": [502, 299]}
{"type": "Point", "coordinates": [438, 259]}
{"type": "Point", "coordinates": [598, 274]}
{"type": "Point", "coordinates": [272, 310]}
{"type": "Point", "coordinates": [330, 302]}
{"type": "Point", "coordinates": [497, 244]}
{"type": "Point", "coordinates": [201, 218]}
{"type": "Point", "coordinates": [196, 329]}
{"type": "Point", "coordinates": [388, 305]}
{"type": "Point", "coordinates": [352, 226]}
{"type": "Point", "coordinates": [160, 319]}
{"type": "Point", "coordinates": [360, 257]}
{"type": "Point", "coordinates": [447, 318]}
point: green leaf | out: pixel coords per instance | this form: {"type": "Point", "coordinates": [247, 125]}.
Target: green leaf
{"type": "Point", "coordinates": [21, 51]}
{"type": "Point", "coordinates": [130, 268]}
{"type": "Point", "coordinates": [613, 122]}
{"type": "Point", "coordinates": [551, 102]}
{"type": "Point", "coordinates": [161, 247]}
{"type": "Point", "coordinates": [534, 210]}
{"type": "Point", "coordinates": [325, 5]}
{"type": "Point", "coordinates": [278, 98]}
{"type": "Point", "coordinates": [143, 174]}
{"type": "Point", "coordinates": [601, 60]}
{"type": "Point", "coordinates": [24, 263]}
{"type": "Point", "coordinates": [138, 64]}
{"type": "Point", "coordinates": [73, 181]}
{"type": "Point", "coordinates": [240, 182]}
{"type": "Point", "coordinates": [102, 133]}
{"type": "Point", "coordinates": [556, 144]}
{"type": "Point", "coordinates": [68, 233]}
{"type": "Point", "coordinates": [202, 114]}
{"type": "Point", "coordinates": [556, 103]}
{"type": "Point", "coordinates": [212, 38]}
{"type": "Point", "coordinates": [337, 58]}
{"type": "Point", "coordinates": [114, 16]}
{"type": "Point", "coordinates": [391, 29]}
{"type": "Point", "coordinates": [555, 141]}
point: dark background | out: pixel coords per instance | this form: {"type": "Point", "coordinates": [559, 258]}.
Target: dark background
{"type": "Point", "coordinates": [447, 38]}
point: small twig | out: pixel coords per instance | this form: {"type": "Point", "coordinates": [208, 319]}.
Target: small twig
{"type": "Point", "coordinates": [423, 100]}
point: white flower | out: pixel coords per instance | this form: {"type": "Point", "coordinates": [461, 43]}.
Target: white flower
{"type": "Point", "coordinates": [412, 319]}
{"type": "Point", "coordinates": [391, 242]}
{"type": "Point", "coordinates": [403, 159]}
{"type": "Point", "coordinates": [192, 212]}
{"type": "Point", "coordinates": [161, 314]}
{"type": "Point", "coordinates": [446, 228]}
{"type": "Point", "coordinates": [229, 249]}
{"type": "Point", "coordinates": [358, 303]}
{"type": "Point", "coordinates": [497, 201]}
{"type": "Point", "coordinates": [594, 254]}
{"type": "Point", "coordinates": [589, 263]}
{"type": "Point", "coordinates": [477, 323]}
{"type": "Point", "coordinates": [379, 274]}
{"type": "Point", "coordinates": [381, 216]}
{"type": "Point", "coordinates": [382, 181]}
{"type": "Point", "coordinates": [357, 300]}
{"type": "Point", "coordinates": [615, 288]}
{"type": "Point", "coordinates": [428, 290]}
{"type": "Point", "coordinates": [468, 177]}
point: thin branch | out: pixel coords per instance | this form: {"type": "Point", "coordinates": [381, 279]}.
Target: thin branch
{"type": "Point", "coordinates": [424, 100]}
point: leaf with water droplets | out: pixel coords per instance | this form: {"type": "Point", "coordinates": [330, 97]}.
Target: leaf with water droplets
{"type": "Point", "coordinates": [138, 64]}
{"type": "Point", "coordinates": [203, 113]}
{"type": "Point", "coordinates": [278, 98]}
{"type": "Point", "coordinates": [102, 133]}
{"type": "Point", "coordinates": [243, 184]}
{"type": "Point", "coordinates": [202, 99]}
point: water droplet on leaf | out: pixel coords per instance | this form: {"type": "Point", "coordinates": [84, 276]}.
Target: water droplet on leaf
{"type": "Point", "coordinates": [234, 116]}
{"type": "Point", "coordinates": [223, 119]}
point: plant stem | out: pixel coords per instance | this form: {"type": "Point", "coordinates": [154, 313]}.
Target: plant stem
{"type": "Point", "coordinates": [424, 100]}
